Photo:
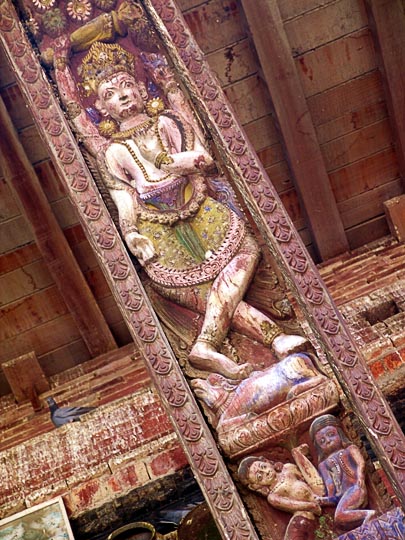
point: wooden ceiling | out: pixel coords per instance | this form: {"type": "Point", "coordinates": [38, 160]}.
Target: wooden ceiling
{"type": "Point", "coordinates": [321, 99]}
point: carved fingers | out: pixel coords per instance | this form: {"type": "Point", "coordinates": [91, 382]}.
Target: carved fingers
{"type": "Point", "coordinates": [140, 246]}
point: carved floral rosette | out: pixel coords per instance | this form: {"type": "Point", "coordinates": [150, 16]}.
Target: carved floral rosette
{"type": "Point", "coordinates": [279, 423]}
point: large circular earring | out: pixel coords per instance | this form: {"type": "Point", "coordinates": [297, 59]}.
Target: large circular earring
{"type": "Point", "coordinates": [107, 127]}
{"type": "Point", "coordinates": [155, 106]}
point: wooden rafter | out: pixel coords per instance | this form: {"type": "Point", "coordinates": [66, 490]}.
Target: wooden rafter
{"type": "Point", "coordinates": [51, 241]}
{"type": "Point", "coordinates": [387, 19]}
{"type": "Point", "coordinates": [298, 132]}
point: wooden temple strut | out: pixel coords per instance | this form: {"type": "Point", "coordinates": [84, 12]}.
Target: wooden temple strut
{"type": "Point", "coordinates": [198, 443]}
{"type": "Point", "coordinates": [276, 228]}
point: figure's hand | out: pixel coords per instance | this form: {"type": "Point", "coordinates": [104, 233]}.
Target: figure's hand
{"type": "Point", "coordinates": [140, 246]}
{"type": "Point", "coordinates": [149, 148]}
{"type": "Point", "coordinates": [327, 501]}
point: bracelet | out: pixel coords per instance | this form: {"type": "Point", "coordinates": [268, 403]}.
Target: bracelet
{"type": "Point", "coordinates": [270, 331]}
{"type": "Point", "coordinates": [127, 227]}
{"type": "Point", "coordinates": [163, 158]}
{"type": "Point", "coordinates": [61, 62]}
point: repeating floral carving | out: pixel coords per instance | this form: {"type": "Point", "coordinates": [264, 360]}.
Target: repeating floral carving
{"type": "Point", "coordinates": [353, 372]}
{"type": "Point", "coordinates": [279, 423]}
{"type": "Point", "coordinates": [68, 160]}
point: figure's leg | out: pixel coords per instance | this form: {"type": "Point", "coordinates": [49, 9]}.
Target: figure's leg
{"type": "Point", "coordinates": [300, 527]}
{"type": "Point", "coordinates": [349, 514]}
{"type": "Point", "coordinates": [225, 295]}
{"type": "Point", "coordinates": [255, 324]}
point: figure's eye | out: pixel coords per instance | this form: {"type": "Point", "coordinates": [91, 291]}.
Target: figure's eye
{"type": "Point", "coordinates": [128, 84]}
{"type": "Point", "coordinates": [259, 476]}
{"type": "Point", "coordinates": [108, 94]}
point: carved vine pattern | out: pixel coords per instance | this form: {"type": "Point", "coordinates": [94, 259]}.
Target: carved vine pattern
{"type": "Point", "coordinates": [195, 435]}
{"type": "Point", "coordinates": [252, 180]}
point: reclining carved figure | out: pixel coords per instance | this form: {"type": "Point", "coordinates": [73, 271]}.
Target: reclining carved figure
{"type": "Point", "coordinates": [231, 402]}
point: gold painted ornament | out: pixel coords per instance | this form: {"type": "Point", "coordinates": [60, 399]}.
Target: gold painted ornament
{"type": "Point", "coordinates": [155, 106]}
{"type": "Point", "coordinates": [107, 128]}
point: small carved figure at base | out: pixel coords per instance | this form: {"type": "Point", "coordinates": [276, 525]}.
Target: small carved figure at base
{"type": "Point", "coordinates": [288, 487]}
{"type": "Point", "coordinates": [342, 468]}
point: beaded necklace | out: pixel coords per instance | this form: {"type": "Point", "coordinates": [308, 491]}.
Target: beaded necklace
{"type": "Point", "coordinates": [141, 129]}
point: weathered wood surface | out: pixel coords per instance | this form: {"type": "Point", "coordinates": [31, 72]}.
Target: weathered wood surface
{"type": "Point", "coordinates": [26, 379]}
{"type": "Point", "coordinates": [323, 25]}
{"type": "Point", "coordinates": [388, 22]}
{"type": "Point", "coordinates": [305, 158]}
{"type": "Point", "coordinates": [50, 239]}
{"type": "Point", "coordinates": [395, 211]}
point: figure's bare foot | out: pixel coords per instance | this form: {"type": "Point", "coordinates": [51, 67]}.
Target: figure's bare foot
{"type": "Point", "coordinates": [286, 344]}
{"type": "Point", "coordinates": [205, 357]}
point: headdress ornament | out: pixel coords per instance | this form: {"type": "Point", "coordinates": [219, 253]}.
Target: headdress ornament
{"type": "Point", "coordinates": [102, 61]}
{"type": "Point", "coordinates": [321, 422]}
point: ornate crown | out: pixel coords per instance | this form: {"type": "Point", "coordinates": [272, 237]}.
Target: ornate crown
{"type": "Point", "coordinates": [102, 61]}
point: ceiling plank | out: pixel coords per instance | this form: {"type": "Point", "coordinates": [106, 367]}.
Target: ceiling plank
{"type": "Point", "coordinates": [387, 20]}
{"type": "Point", "coordinates": [304, 155]}
{"type": "Point", "coordinates": [51, 241]}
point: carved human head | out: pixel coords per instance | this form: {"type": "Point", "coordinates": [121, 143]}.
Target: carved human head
{"type": "Point", "coordinates": [257, 473]}
{"type": "Point", "coordinates": [108, 70]}
{"type": "Point", "coordinates": [327, 435]}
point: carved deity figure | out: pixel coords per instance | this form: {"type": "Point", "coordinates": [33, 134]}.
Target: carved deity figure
{"type": "Point", "coordinates": [231, 402]}
{"type": "Point", "coordinates": [293, 488]}
{"type": "Point", "coordinates": [342, 468]}
{"type": "Point", "coordinates": [195, 250]}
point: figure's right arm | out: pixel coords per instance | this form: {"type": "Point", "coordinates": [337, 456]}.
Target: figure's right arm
{"type": "Point", "coordinates": [125, 198]}
{"type": "Point", "coordinates": [308, 470]}
{"type": "Point", "coordinates": [330, 498]}
{"type": "Point", "coordinates": [69, 94]}
{"type": "Point", "coordinates": [138, 244]}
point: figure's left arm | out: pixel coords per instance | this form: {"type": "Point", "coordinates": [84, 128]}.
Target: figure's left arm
{"type": "Point", "coordinates": [357, 461]}
{"type": "Point", "coordinates": [174, 158]}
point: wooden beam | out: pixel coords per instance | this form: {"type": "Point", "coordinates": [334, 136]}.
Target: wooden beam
{"type": "Point", "coordinates": [395, 213]}
{"type": "Point", "coordinates": [303, 151]}
{"type": "Point", "coordinates": [26, 379]}
{"type": "Point", "coordinates": [387, 20]}
{"type": "Point", "coordinates": [51, 241]}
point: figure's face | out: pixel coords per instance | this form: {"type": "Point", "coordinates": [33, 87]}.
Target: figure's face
{"type": "Point", "coordinates": [119, 97]}
{"type": "Point", "coordinates": [328, 439]}
{"type": "Point", "coordinates": [261, 473]}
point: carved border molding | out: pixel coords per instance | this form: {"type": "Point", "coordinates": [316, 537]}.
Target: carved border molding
{"type": "Point", "coordinates": [277, 424]}
{"type": "Point", "coordinates": [196, 438]}
{"type": "Point", "coordinates": [284, 242]}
